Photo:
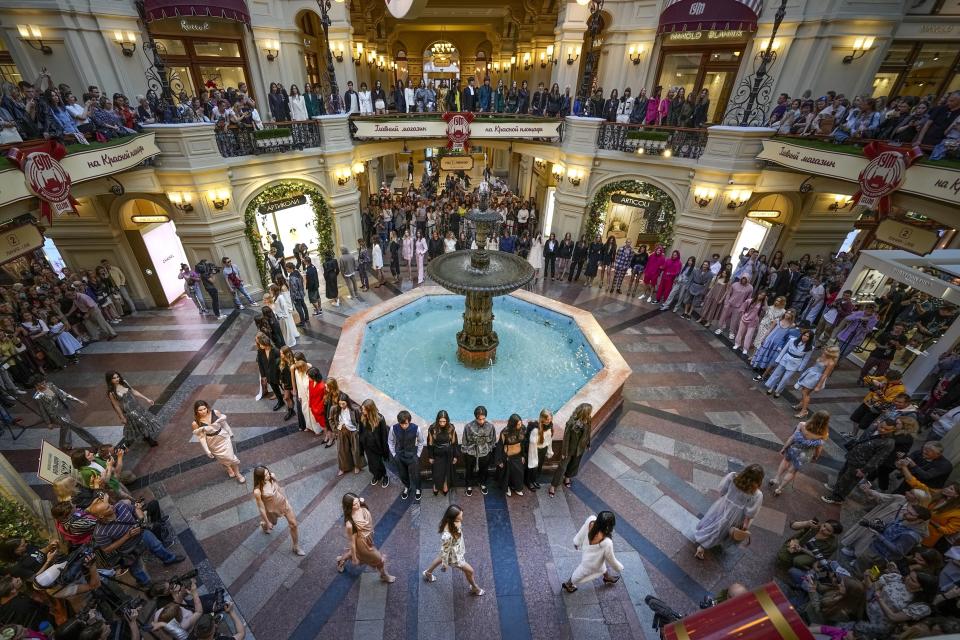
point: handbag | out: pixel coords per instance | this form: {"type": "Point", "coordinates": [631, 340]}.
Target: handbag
{"type": "Point", "coordinates": [740, 536]}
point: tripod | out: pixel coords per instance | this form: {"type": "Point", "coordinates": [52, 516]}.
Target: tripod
{"type": "Point", "coordinates": [22, 427]}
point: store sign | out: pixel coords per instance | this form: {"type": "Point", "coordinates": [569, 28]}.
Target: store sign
{"type": "Point", "coordinates": [907, 237]}
{"type": "Point", "coordinates": [151, 219]}
{"type": "Point", "coordinates": [191, 26]}
{"type": "Point", "coordinates": [707, 36]}
{"type": "Point", "coordinates": [763, 215]}
{"type": "Point", "coordinates": [883, 175]}
{"type": "Point", "coordinates": [45, 177]}
{"type": "Point", "coordinates": [16, 241]}
{"type": "Point", "coordinates": [286, 203]}
{"type": "Point", "coordinates": [456, 163]}
{"type": "Point", "coordinates": [385, 128]}
{"type": "Point", "coordinates": [50, 174]}
{"type": "Point", "coordinates": [632, 201]}
{"type": "Point", "coordinates": [928, 180]}
{"type": "Point", "coordinates": [54, 463]}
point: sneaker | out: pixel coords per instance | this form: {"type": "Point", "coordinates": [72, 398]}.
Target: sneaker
{"type": "Point", "coordinates": [177, 559]}
{"type": "Point", "coordinates": [374, 481]}
{"type": "Point", "coordinates": [404, 494]}
{"type": "Point", "coordinates": [221, 317]}
{"type": "Point", "coordinates": [469, 491]}
{"type": "Point", "coordinates": [385, 482]}
{"type": "Point", "coordinates": [509, 492]}
{"type": "Point", "coordinates": [830, 500]}
{"type": "Point", "coordinates": [731, 336]}
{"type": "Point", "coordinates": [416, 496]}
{"type": "Point", "coordinates": [240, 306]}
{"type": "Point", "coordinates": [483, 489]}
{"type": "Point", "coordinates": [316, 313]}
{"type": "Point", "coordinates": [718, 332]}
{"type": "Point", "coordinates": [848, 552]}
{"type": "Point", "coordinates": [828, 486]}
{"type": "Point", "coordinates": [745, 352]}
{"type": "Point", "coordinates": [519, 493]}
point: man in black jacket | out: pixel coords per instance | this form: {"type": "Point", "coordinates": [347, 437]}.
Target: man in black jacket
{"type": "Point", "coordinates": [862, 459]}
{"type": "Point", "coordinates": [787, 280]}
{"type": "Point", "coordinates": [313, 285]}
{"type": "Point", "coordinates": [928, 465]}
{"type": "Point", "coordinates": [550, 249]}
{"type": "Point", "coordinates": [468, 99]}
{"type": "Point", "coordinates": [539, 101]}
{"type": "Point", "coordinates": [351, 100]}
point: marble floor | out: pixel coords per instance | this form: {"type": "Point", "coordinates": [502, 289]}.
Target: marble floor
{"type": "Point", "coordinates": [691, 414]}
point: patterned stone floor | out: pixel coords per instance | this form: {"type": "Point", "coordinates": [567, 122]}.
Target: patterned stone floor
{"type": "Point", "coordinates": [691, 414]}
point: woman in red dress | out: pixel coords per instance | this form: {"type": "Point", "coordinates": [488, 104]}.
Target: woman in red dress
{"type": "Point", "coordinates": [318, 394]}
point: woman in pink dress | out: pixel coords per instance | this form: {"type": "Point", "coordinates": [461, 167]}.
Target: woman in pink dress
{"type": "Point", "coordinates": [651, 272]}
{"type": "Point", "coordinates": [653, 106]}
{"type": "Point", "coordinates": [748, 323]}
{"type": "Point", "coordinates": [737, 297]}
{"type": "Point", "coordinates": [407, 252]}
{"type": "Point", "coordinates": [671, 268]}
{"type": "Point", "coordinates": [663, 111]}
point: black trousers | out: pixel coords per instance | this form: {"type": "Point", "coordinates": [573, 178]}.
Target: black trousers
{"type": "Point", "coordinates": [549, 266]}
{"type": "Point", "coordinates": [568, 468]}
{"type": "Point", "coordinates": [845, 483]}
{"type": "Point", "coordinates": [476, 469]}
{"type": "Point", "coordinates": [442, 468]}
{"type": "Point", "coordinates": [409, 472]}
{"type": "Point", "coordinates": [512, 473]}
{"type": "Point", "coordinates": [863, 416]}
{"type": "Point", "coordinates": [301, 308]}
{"type": "Point", "coordinates": [578, 265]}
{"type": "Point", "coordinates": [214, 300]}
{"type": "Point", "coordinates": [395, 268]}
{"type": "Point", "coordinates": [530, 475]}
{"type": "Point", "coordinates": [375, 462]}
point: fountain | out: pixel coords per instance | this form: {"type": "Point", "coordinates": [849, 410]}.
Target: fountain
{"type": "Point", "coordinates": [479, 275]}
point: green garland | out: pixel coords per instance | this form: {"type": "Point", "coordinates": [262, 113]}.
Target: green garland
{"type": "Point", "coordinates": [278, 191]}
{"type": "Point", "coordinates": [598, 206]}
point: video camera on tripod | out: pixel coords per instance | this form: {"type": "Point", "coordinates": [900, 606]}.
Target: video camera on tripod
{"type": "Point", "coordinates": [663, 614]}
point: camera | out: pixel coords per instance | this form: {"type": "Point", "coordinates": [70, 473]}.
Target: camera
{"type": "Point", "coordinates": [183, 578]}
{"type": "Point", "coordinates": [877, 525]}
{"type": "Point", "coordinates": [662, 613]}
{"type": "Point", "coordinates": [131, 604]}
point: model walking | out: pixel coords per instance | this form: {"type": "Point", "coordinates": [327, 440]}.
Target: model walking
{"type": "Point", "coordinates": [344, 417]}
{"type": "Point", "coordinates": [376, 257]}
{"type": "Point", "coordinates": [535, 257]}
{"type": "Point", "coordinates": [511, 455]}
{"type": "Point", "coordinates": [806, 444]}
{"type": "Point", "coordinates": [793, 357]}
{"type": "Point", "coordinates": [576, 440]}
{"type": "Point", "coordinates": [52, 406]}
{"type": "Point", "coordinates": [318, 405]}
{"type": "Point", "coordinates": [595, 543]}
{"type": "Point", "coordinates": [137, 421]}
{"type": "Point", "coordinates": [814, 379]}
{"type": "Point", "coordinates": [373, 442]}
{"type": "Point", "coordinates": [452, 549]}
{"type": "Point", "coordinates": [408, 249]}
{"type": "Point", "coordinates": [358, 527]}
{"type": "Point", "coordinates": [539, 448]}
{"type": "Point", "coordinates": [772, 344]}
{"type": "Point", "coordinates": [284, 311]}
{"type": "Point", "coordinates": [479, 439]}
{"type": "Point", "coordinates": [216, 438]}
{"type": "Point", "coordinates": [272, 504]}
{"type": "Point", "coordinates": [442, 451]}
{"type": "Point", "coordinates": [422, 248]}
{"type": "Point", "coordinates": [740, 500]}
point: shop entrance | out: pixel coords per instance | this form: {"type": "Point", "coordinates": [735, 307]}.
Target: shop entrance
{"type": "Point", "coordinates": [157, 248]}
{"type": "Point", "coordinates": [291, 220]}
{"type": "Point", "coordinates": [695, 69]}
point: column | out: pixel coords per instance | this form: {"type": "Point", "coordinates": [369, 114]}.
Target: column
{"type": "Point", "coordinates": [564, 73]}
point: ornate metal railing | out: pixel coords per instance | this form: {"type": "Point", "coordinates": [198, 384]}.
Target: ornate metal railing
{"type": "Point", "coordinates": [275, 137]}
{"type": "Point", "coordinates": [678, 142]}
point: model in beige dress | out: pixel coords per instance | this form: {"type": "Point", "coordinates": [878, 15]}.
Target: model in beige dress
{"type": "Point", "coordinates": [216, 438]}
{"type": "Point", "coordinates": [358, 526]}
{"type": "Point", "coordinates": [272, 504]}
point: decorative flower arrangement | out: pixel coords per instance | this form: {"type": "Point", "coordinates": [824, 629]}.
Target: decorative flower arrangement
{"type": "Point", "coordinates": [16, 521]}
{"type": "Point", "coordinates": [598, 207]}
{"type": "Point", "coordinates": [323, 220]}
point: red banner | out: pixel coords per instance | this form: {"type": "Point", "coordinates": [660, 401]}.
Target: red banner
{"type": "Point", "coordinates": [45, 177]}
{"type": "Point", "coordinates": [458, 129]}
{"type": "Point", "coordinates": [883, 175]}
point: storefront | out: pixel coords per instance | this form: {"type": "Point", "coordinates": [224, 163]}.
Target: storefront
{"type": "Point", "coordinates": [702, 45]}
{"type": "Point", "coordinates": [913, 68]}
{"type": "Point", "coordinates": [204, 43]}
{"type": "Point", "coordinates": [934, 276]}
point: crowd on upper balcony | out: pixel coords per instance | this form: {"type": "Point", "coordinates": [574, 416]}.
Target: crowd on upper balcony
{"type": "Point", "coordinates": [923, 120]}
{"type": "Point", "coordinates": [44, 111]}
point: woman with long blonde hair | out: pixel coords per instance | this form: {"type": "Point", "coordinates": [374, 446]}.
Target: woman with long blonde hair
{"type": "Point", "coordinates": [806, 444]}
{"type": "Point", "coordinates": [539, 447]}
{"type": "Point", "coordinates": [814, 378]}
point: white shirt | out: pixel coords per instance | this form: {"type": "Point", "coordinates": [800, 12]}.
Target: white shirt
{"type": "Point", "coordinates": [715, 267]}
{"type": "Point", "coordinates": [76, 110]}
{"type": "Point", "coordinates": [523, 215]}
{"type": "Point", "coordinates": [409, 98]}
{"type": "Point", "coordinates": [947, 421]}
{"type": "Point", "coordinates": [366, 102]}
{"type": "Point", "coordinates": [533, 454]}
{"type": "Point", "coordinates": [298, 108]}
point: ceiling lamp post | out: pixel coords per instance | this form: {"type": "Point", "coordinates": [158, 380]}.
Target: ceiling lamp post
{"type": "Point", "coordinates": [594, 22]}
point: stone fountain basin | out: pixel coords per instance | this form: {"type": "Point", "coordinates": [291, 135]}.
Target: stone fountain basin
{"type": "Point", "coordinates": [604, 390]}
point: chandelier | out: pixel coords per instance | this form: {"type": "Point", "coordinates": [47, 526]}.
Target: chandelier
{"type": "Point", "coordinates": [442, 48]}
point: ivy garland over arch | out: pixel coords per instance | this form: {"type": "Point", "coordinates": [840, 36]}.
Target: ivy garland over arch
{"type": "Point", "coordinates": [598, 206]}
{"type": "Point", "coordinates": [278, 191]}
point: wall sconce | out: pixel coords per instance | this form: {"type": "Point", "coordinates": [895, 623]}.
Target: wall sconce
{"type": "Point", "coordinates": [32, 36]}
{"type": "Point", "coordinates": [860, 47]}
{"type": "Point", "coordinates": [574, 176]}
{"type": "Point", "coordinates": [513, 61]}
{"type": "Point", "coordinates": [496, 67]}
{"type": "Point", "coordinates": [272, 49]}
{"type": "Point", "coordinates": [337, 50]}
{"type": "Point", "coordinates": [380, 63]}
{"type": "Point", "coordinates": [526, 62]}
{"type": "Point", "coordinates": [702, 196]}
{"type": "Point", "coordinates": [840, 202]}
{"type": "Point", "coordinates": [181, 200]}
{"type": "Point", "coordinates": [371, 57]}
{"type": "Point", "coordinates": [358, 169]}
{"type": "Point", "coordinates": [558, 171]}
{"type": "Point", "coordinates": [128, 42]}
{"type": "Point", "coordinates": [359, 57]}
{"type": "Point", "coordinates": [539, 163]}
{"type": "Point", "coordinates": [738, 198]}
{"type": "Point", "coordinates": [635, 52]}
{"type": "Point", "coordinates": [571, 50]}
{"type": "Point", "coordinates": [219, 198]}
{"type": "Point", "coordinates": [342, 175]}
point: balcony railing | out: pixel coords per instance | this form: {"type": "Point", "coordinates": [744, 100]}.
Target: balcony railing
{"type": "Point", "coordinates": [678, 142]}
{"type": "Point", "coordinates": [275, 137]}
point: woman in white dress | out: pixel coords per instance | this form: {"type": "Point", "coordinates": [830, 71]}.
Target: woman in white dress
{"type": "Point", "coordinates": [284, 313]}
{"type": "Point", "coordinates": [740, 500]}
{"type": "Point", "coordinates": [449, 243]}
{"type": "Point", "coordinates": [452, 550]}
{"type": "Point", "coordinates": [422, 249]}
{"type": "Point", "coordinates": [365, 100]}
{"type": "Point", "coordinates": [298, 106]}
{"type": "Point", "coordinates": [594, 540]}
{"type": "Point", "coordinates": [535, 257]}
{"type": "Point", "coordinates": [216, 438]}
{"type": "Point", "coordinates": [302, 389]}
{"type": "Point", "coordinates": [376, 260]}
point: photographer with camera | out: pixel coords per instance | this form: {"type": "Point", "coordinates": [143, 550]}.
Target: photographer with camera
{"type": "Point", "coordinates": [95, 627]}
{"type": "Point", "coordinates": [17, 607]}
{"type": "Point", "coordinates": [121, 536]}
{"type": "Point", "coordinates": [815, 541]}
{"type": "Point", "coordinates": [208, 627]}
{"type": "Point", "coordinates": [174, 620]}
{"type": "Point", "coordinates": [207, 270]}
{"type": "Point", "coordinates": [894, 540]}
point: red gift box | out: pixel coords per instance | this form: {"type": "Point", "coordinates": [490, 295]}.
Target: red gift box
{"type": "Point", "coordinates": [763, 614]}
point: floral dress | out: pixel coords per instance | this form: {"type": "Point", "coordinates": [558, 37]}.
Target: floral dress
{"type": "Point", "coordinates": [770, 319]}
{"type": "Point", "coordinates": [452, 550]}
{"type": "Point", "coordinates": [798, 449]}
